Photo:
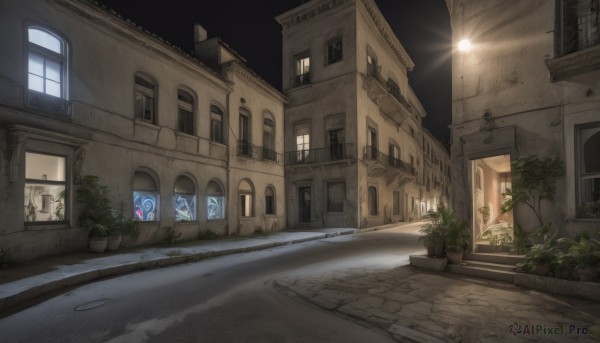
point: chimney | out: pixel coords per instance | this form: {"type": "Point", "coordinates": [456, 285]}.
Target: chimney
{"type": "Point", "coordinates": [200, 33]}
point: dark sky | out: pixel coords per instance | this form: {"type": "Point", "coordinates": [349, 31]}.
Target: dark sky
{"type": "Point", "coordinates": [249, 27]}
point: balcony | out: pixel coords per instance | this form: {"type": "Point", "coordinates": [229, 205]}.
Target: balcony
{"type": "Point", "coordinates": [247, 150]}
{"type": "Point", "coordinates": [302, 79]}
{"type": "Point", "coordinates": [333, 154]}
{"type": "Point", "coordinates": [382, 165]}
{"type": "Point", "coordinates": [386, 95]}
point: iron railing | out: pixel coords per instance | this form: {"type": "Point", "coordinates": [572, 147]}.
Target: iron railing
{"type": "Point", "coordinates": [372, 154]}
{"type": "Point", "coordinates": [334, 152]}
{"type": "Point", "coordinates": [302, 79]}
{"type": "Point", "coordinates": [256, 152]}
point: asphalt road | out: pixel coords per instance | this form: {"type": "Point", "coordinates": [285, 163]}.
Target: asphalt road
{"type": "Point", "coordinates": [224, 299]}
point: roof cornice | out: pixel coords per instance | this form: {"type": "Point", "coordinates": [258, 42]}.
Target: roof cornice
{"type": "Point", "coordinates": [308, 11]}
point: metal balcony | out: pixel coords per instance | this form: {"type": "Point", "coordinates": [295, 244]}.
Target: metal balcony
{"type": "Point", "coordinates": [334, 153]}
{"type": "Point", "coordinates": [383, 165]}
{"type": "Point", "coordinates": [245, 149]}
{"type": "Point", "coordinates": [391, 103]}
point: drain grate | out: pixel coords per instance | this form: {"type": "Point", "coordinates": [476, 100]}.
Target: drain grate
{"type": "Point", "coordinates": [91, 304]}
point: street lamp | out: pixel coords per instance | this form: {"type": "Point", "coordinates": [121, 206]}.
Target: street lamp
{"type": "Point", "coordinates": [464, 45]}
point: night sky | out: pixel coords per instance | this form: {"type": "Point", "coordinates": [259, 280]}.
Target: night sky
{"type": "Point", "coordinates": [249, 27]}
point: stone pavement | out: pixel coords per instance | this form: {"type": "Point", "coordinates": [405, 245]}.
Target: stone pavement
{"type": "Point", "coordinates": [38, 278]}
{"type": "Point", "coordinates": [421, 306]}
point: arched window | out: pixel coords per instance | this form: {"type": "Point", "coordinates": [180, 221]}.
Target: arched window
{"type": "Point", "coordinates": [146, 198]}
{"type": "Point", "coordinates": [589, 170]}
{"type": "Point", "coordinates": [269, 200]}
{"type": "Point", "coordinates": [214, 201]}
{"type": "Point", "coordinates": [47, 67]}
{"type": "Point", "coordinates": [269, 140]}
{"type": "Point", "coordinates": [145, 98]}
{"type": "Point", "coordinates": [372, 200]}
{"type": "Point", "coordinates": [185, 106]}
{"type": "Point", "coordinates": [184, 198]}
{"type": "Point", "coordinates": [216, 124]}
{"type": "Point", "coordinates": [246, 198]}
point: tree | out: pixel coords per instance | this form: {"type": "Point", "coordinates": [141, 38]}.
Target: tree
{"type": "Point", "coordinates": [533, 180]}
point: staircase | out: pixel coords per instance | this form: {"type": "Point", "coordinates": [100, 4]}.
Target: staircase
{"type": "Point", "coordinates": [494, 266]}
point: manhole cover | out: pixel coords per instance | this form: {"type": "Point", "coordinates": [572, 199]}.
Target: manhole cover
{"type": "Point", "coordinates": [91, 305]}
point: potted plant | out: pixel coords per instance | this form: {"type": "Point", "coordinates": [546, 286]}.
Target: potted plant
{"type": "Point", "coordinates": [434, 232]}
{"type": "Point", "coordinates": [565, 265]}
{"type": "Point", "coordinates": [586, 252]}
{"type": "Point", "coordinates": [541, 256]}
{"type": "Point", "coordinates": [457, 237]}
{"type": "Point", "coordinates": [122, 225]}
{"type": "Point", "coordinates": [96, 214]}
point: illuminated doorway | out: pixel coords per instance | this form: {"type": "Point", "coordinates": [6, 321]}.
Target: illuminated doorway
{"type": "Point", "coordinates": [491, 179]}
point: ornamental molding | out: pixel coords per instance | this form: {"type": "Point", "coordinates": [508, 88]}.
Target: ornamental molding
{"type": "Point", "coordinates": [253, 79]}
{"type": "Point", "coordinates": [304, 13]}
{"type": "Point", "coordinates": [386, 33]}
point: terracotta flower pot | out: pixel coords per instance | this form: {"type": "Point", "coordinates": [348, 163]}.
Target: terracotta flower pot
{"type": "Point", "coordinates": [454, 257]}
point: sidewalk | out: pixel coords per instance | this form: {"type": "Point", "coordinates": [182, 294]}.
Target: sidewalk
{"type": "Point", "coordinates": [414, 305]}
{"type": "Point", "coordinates": [37, 278]}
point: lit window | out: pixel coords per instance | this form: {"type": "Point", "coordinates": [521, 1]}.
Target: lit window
{"type": "Point", "coordinates": [588, 145]}
{"type": "Point", "coordinates": [185, 105]}
{"type": "Point", "coordinates": [216, 124]}
{"type": "Point", "coordinates": [302, 70]}
{"type": "Point", "coordinates": [336, 195]}
{"type": "Point", "coordinates": [184, 199]}
{"type": "Point", "coordinates": [46, 65]}
{"type": "Point", "coordinates": [45, 188]}
{"type": "Point", "coordinates": [269, 201]}
{"type": "Point", "coordinates": [214, 201]}
{"type": "Point", "coordinates": [334, 50]}
{"type": "Point", "coordinates": [145, 93]}
{"type": "Point", "coordinates": [302, 147]}
{"type": "Point", "coordinates": [145, 197]}
{"type": "Point", "coordinates": [246, 192]}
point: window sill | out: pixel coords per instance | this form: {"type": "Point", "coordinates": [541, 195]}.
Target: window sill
{"type": "Point", "coordinates": [187, 222]}
{"type": "Point", "coordinates": [186, 135]}
{"type": "Point", "coordinates": [48, 104]}
{"type": "Point", "coordinates": [43, 226]}
{"type": "Point", "coordinates": [146, 123]}
{"type": "Point", "coordinates": [218, 144]}
{"type": "Point", "coordinates": [575, 63]}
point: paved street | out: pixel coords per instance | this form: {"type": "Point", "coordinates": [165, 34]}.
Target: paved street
{"type": "Point", "coordinates": [354, 288]}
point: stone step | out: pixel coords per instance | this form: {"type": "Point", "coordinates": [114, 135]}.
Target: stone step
{"type": "Point", "coordinates": [490, 249]}
{"type": "Point", "coordinates": [491, 274]}
{"type": "Point", "coordinates": [487, 265]}
{"type": "Point", "coordinates": [498, 258]}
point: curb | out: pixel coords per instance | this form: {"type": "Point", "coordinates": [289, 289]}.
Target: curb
{"type": "Point", "coordinates": [37, 289]}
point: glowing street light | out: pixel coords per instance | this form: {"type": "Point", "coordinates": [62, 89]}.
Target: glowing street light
{"type": "Point", "coordinates": [464, 45]}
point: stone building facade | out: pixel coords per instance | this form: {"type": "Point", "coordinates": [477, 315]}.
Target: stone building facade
{"type": "Point", "coordinates": [188, 143]}
{"type": "Point", "coordinates": [529, 86]}
{"type": "Point", "coordinates": [354, 138]}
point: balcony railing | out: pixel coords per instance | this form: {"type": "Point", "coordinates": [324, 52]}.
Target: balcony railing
{"type": "Point", "coordinates": [332, 153]}
{"type": "Point", "coordinates": [302, 79]}
{"type": "Point", "coordinates": [256, 152]}
{"type": "Point", "coordinates": [372, 154]}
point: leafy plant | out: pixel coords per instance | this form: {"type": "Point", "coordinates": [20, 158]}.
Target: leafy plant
{"type": "Point", "coordinates": [590, 209]}
{"type": "Point", "coordinates": [564, 266]}
{"type": "Point", "coordinates": [584, 249]}
{"type": "Point", "coordinates": [124, 224]}
{"type": "Point", "coordinates": [445, 228]}
{"type": "Point", "coordinates": [96, 214]}
{"type": "Point", "coordinates": [543, 253]}
{"type": "Point", "coordinates": [519, 240]}
{"type": "Point", "coordinates": [499, 236]}
{"type": "Point", "coordinates": [59, 211]}
{"type": "Point", "coordinates": [533, 180]}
